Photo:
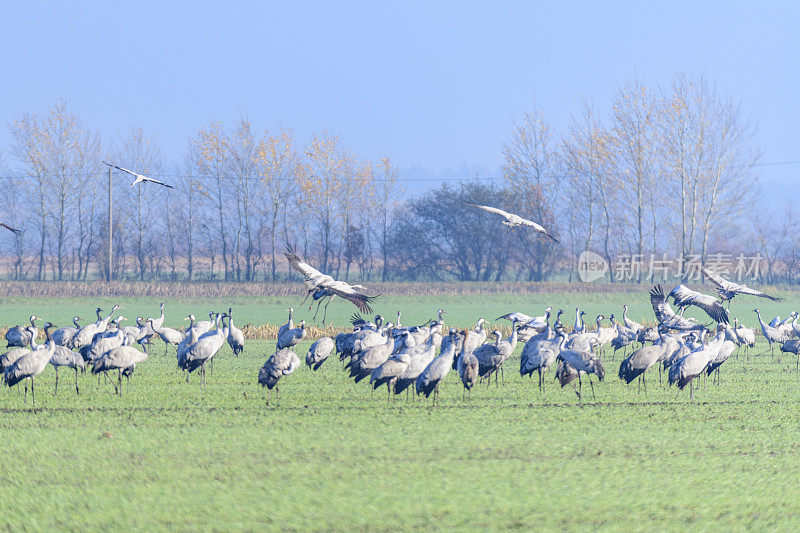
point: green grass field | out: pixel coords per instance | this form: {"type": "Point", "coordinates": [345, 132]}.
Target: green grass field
{"type": "Point", "coordinates": [328, 454]}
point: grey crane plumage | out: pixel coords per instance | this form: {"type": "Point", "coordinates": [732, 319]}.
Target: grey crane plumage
{"type": "Point", "coordinates": [123, 359]}
{"type": "Point", "coordinates": [725, 351]}
{"type": "Point", "coordinates": [207, 346]}
{"type": "Point", "coordinates": [640, 361]}
{"type": "Point", "coordinates": [684, 297]}
{"type": "Point", "coordinates": [63, 336]}
{"type": "Point", "coordinates": [139, 178]}
{"type": "Point", "coordinates": [467, 364]}
{"type": "Point", "coordinates": [316, 281]}
{"type": "Point", "coordinates": [103, 342]}
{"type": "Point", "coordinates": [666, 316]}
{"type": "Point", "coordinates": [491, 356]}
{"type": "Point", "coordinates": [727, 290]}
{"type": "Point", "coordinates": [63, 356]}
{"type": "Point", "coordinates": [420, 357]}
{"type": "Point", "coordinates": [581, 361]}
{"type": "Point", "coordinates": [428, 381]}
{"type": "Point", "coordinates": [87, 332]}
{"type": "Point", "coordinates": [292, 336]}
{"type": "Point", "coordinates": [31, 364]}
{"type": "Point", "coordinates": [20, 336]}
{"type": "Point", "coordinates": [289, 324]}
{"type": "Point", "coordinates": [170, 336]}
{"type": "Point", "coordinates": [630, 324]}
{"type": "Point", "coordinates": [235, 335]}
{"type": "Point", "coordinates": [319, 352]}
{"type": "Point", "coordinates": [683, 371]}
{"type": "Point", "coordinates": [282, 363]}
{"type": "Point", "coordinates": [9, 228]}
{"type": "Point", "coordinates": [539, 354]}
{"type": "Point", "coordinates": [364, 362]}
{"type": "Point", "coordinates": [773, 335]}
{"type": "Point", "coordinates": [512, 221]}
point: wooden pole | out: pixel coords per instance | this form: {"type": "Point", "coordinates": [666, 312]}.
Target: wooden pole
{"type": "Point", "coordinates": [110, 228]}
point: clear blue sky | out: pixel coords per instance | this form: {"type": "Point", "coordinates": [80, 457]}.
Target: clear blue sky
{"type": "Point", "coordinates": [434, 84]}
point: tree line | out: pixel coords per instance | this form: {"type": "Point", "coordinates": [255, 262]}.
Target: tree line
{"type": "Point", "coordinates": [664, 170]}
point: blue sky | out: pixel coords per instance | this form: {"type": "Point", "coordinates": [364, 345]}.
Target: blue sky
{"type": "Point", "coordinates": [436, 85]}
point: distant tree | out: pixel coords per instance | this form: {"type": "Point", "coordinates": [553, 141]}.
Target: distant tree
{"type": "Point", "coordinates": [453, 238]}
{"type": "Point", "coordinates": [531, 168]}
{"type": "Point", "coordinates": [388, 192]}
{"type": "Point", "coordinates": [59, 156]}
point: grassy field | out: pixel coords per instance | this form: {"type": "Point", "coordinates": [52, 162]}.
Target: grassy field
{"type": "Point", "coordinates": [329, 454]}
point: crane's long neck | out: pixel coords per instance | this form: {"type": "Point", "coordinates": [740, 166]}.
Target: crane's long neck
{"type": "Point", "coordinates": [450, 350]}
{"type": "Point", "coordinates": [562, 343]}
{"type": "Point", "coordinates": [758, 313]}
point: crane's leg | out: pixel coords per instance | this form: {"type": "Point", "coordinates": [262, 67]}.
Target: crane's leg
{"type": "Point", "coordinates": [540, 380]}
{"type": "Point", "coordinates": [269, 392]}
{"type": "Point", "coordinates": [325, 314]}
{"type": "Point", "coordinates": [592, 386]}
{"type": "Point", "coordinates": [317, 310]}
{"type": "Point", "coordinates": [119, 380]}
{"type": "Point", "coordinates": [203, 369]}
{"type": "Point", "coordinates": [77, 390]}
{"type": "Point", "coordinates": [55, 392]}
{"type": "Point", "coordinates": [25, 396]}
{"type": "Point", "coordinates": [33, 391]}
{"type": "Point", "coordinates": [691, 391]}
{"type": "Point", "coordinates": [639, 385]}
{"type": "Point", "coordinates": [644, 382]}
{"type": "Point", "coordinates": [301, 304]}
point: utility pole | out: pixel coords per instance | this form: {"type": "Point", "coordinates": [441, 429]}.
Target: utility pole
{"type": "Point", "coordinates": [110, 229]}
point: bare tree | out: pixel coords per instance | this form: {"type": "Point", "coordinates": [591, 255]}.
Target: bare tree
{"type": "Point", "coordinates": [60, 158]}
{"type": "Point", "coordinates": [208, 152]}
{"type": "Point", "coordinates": [531, 168]}
{"type": "Point", "coordinates": [279, 169]}
{"type": "Point", "coordinates": [388, 192]}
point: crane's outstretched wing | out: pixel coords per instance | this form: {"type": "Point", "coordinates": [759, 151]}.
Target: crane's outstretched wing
{"type": "Point", "coordinates": [717, 280]}
{"type": "Point", "coordinates": [9, 228]}
{"type": "Point", "coordinates": [309, 272]}
{"type": "Point", "coordinates": [723, 285]}
{"type": "Point", "coordinates": [344, 290]}
{"type": "Point", "coordinates": [538, 227]}
{"type": "Point", "coordinates": [141, 178]}
{"type": "Point", "coordinates": [358, 320]}
{"type": "Point", "coordinates": [494, 210]}
{"type": "Point", "coordinates": [131, 172]}
{"type": "Point", "coordinates": [744, 289]}
{"type": "Point", "coordinates": [664, 313]}
{"type": "Point", "coordinates": [685, 296]}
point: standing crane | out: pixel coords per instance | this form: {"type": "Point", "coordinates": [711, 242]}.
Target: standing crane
{"type": "Point", "coordinates": [31, 364]}
{"type": "Point", "coordinates": [282, 363]}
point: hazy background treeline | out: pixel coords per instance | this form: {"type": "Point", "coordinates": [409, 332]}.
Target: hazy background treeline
{"type": "Point", "coordinates": [665, 170]}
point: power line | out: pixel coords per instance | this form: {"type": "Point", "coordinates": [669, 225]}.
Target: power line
{"type": "Point", "coordinates": [228, 177]}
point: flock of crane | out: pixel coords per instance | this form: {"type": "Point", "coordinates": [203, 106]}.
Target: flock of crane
{"type": "Point", "coordinates": [106, 345]}
{"type": "Point", "coordinates": [405, 358]}
{"type": "Point", "coordinates": [416, 358]}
